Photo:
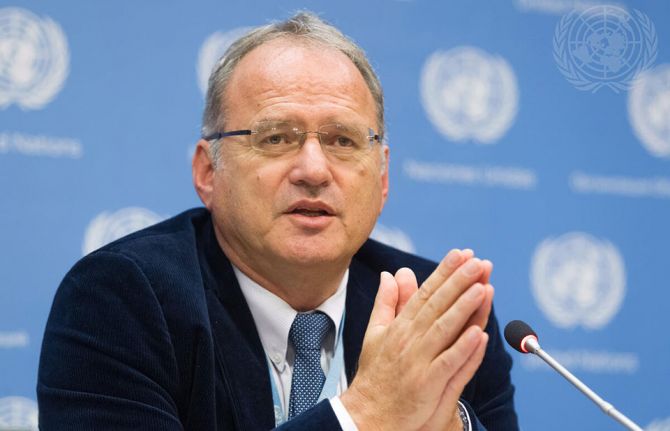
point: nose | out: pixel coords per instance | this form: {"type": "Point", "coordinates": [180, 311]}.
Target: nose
{"type": "Point", "coordinates": [311, 167]}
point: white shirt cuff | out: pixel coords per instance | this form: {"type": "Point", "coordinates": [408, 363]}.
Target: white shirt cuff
{"type": "Point", "coordinates": [343, 416]}
{"type": "Point", "coordinates": [347, 423]}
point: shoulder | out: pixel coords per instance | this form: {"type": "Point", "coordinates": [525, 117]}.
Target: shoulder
{"type": "Point", "coordinates": [159, 263]}
{"type": "Point", "coordinates": [146, 283]}
{"type": "Point", "coordinates": [135, 308]}
{"type": "Point", "coordinates": [170, 245]}
{"type": "Point", "coordinates": [172, 237]}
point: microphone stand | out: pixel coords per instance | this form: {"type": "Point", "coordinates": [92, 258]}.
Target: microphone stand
{"type": "Point", "coordinates": [533, 346]}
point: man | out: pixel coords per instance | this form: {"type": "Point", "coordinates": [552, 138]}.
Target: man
{"type": "Point", "coordinates": [271, 307]}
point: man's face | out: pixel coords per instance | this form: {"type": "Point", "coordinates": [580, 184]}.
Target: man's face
{"type": "Point", "coordinates": [304, 208]}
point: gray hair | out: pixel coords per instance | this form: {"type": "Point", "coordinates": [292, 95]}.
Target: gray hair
{"type": "Point", "coordinates": [304, 26]}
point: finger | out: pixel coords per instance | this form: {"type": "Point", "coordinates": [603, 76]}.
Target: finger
{"type": "Point", "coordinates": [467, 371]}
{"type": "Point", "coordinates": [407, 286]}
{"type": "Point", "coordinates": [453, 362]}
{"type": "Point", "coordinates": [446, 409]}
{"type": "Point", "coordinates": [446, 365]}
{"type": "Point", "coordinates": [447, 328]}
{"type": "Point", "coordinates": [487, 269]}
{"type": "Point", "coordinates": [444, 270]}
{"type": "Point", "coordinates": [481, 316]}
{"type": "Point", "coordinates": [444, 297]}
{"type": "Point", "coordinates": [386, 300]}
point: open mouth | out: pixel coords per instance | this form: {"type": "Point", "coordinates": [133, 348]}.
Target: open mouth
{"type": "Point", "coordinates": [310, 212]}
{"type": "Point", "coordinates": [311, 209]}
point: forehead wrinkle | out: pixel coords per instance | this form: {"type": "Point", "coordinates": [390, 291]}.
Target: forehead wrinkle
{"type": "Point", "coordinates": [319, 107]}
{"type": "Point", "coordinates": [309, 89]}
{"type": "Point", "coordinates": [267, 79]}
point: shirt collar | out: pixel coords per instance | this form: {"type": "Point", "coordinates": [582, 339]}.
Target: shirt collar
{"type": "Point", "coordinates": [273, 316]}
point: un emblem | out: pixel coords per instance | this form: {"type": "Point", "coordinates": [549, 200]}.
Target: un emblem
{"type": "Point", "coordinates": [107, 227]}
{"type": "Point", "coordinates": [469, 94]}
{"type": "Point", "coordinates": [211, 51]}
{"type": "Point", "coordinates": [604, 46]}
{"type": "Point", "coordinates": [18, 414]}
{"type": "Point", "coordinates": [34, 59]}
{"type": "Point", "coordinates": [577, 279]}
{"type": "Point", "coordinates": [649, 109]}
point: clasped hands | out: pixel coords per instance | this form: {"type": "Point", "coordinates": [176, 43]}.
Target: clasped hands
{"type": "Point", "coordinates": [422, 346]}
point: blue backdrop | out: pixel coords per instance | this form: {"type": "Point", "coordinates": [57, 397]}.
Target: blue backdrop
{"type": "Point", "coordinates": [536, 132]}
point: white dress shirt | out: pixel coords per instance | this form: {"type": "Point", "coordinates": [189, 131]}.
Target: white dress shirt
{"type": "Point", "coordinates": [273, 318]}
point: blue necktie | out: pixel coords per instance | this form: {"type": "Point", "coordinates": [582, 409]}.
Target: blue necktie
{"type": "Point", "coordinates": [307, 334]}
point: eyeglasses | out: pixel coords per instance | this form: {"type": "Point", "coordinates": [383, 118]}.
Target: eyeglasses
{"type": "Point", "coordinates": [278, 138]}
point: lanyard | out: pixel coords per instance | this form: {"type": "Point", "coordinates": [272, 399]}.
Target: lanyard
{"type": "Point", "coordinates": [329, 387]}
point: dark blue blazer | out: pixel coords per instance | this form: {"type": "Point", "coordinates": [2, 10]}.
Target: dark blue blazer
{"type": "Point", "coordinates": [153, 332]}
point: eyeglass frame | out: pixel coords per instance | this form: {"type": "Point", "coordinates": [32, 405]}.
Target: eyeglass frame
{"type": "Point", "coordinates": [372, 136]}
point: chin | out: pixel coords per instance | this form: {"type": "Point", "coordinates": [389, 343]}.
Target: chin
{"type": "Point", "coordinates": [313, 257]}
{"type": "Point", "coordinates": [310, 252]}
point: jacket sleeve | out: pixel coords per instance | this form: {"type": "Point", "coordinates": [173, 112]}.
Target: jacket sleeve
{"type": "Point", "coordinates": [107, 361]}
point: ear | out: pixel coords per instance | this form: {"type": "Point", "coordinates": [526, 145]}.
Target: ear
{"type": "Point", "coordinates": [202, 170]}
{"type": "Point", "coordinates": [385, 176]}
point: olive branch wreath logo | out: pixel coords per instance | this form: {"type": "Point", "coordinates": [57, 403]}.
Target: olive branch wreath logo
{"type": "Point", "coordinates": [581, 79]}
{"type": "Point", "coordinates": [53, 65]}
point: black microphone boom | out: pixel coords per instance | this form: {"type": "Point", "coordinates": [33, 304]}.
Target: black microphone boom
{"type": "Point", "coordinates": [521, 337]}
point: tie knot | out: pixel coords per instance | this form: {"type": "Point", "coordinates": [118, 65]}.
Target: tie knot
{"type": "Point", "coordinates": [308, 330]}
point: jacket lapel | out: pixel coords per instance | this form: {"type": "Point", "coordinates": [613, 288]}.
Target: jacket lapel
{"type": "Point", "coordinates": [361, 291]}
{"type": "Point", "coordinates": [238, 349]}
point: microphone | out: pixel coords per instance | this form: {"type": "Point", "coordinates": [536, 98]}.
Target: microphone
{"type": "Point", "coordinates": [522, 338]}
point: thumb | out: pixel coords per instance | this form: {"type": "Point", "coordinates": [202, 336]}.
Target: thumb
{"type": "Point", "coordinates": [407, 286]}
{"type": "Point", "coordinates": [383, 311]}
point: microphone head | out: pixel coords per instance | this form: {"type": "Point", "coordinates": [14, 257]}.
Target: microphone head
{"type": "Point", "coordinates": [517, 333]}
